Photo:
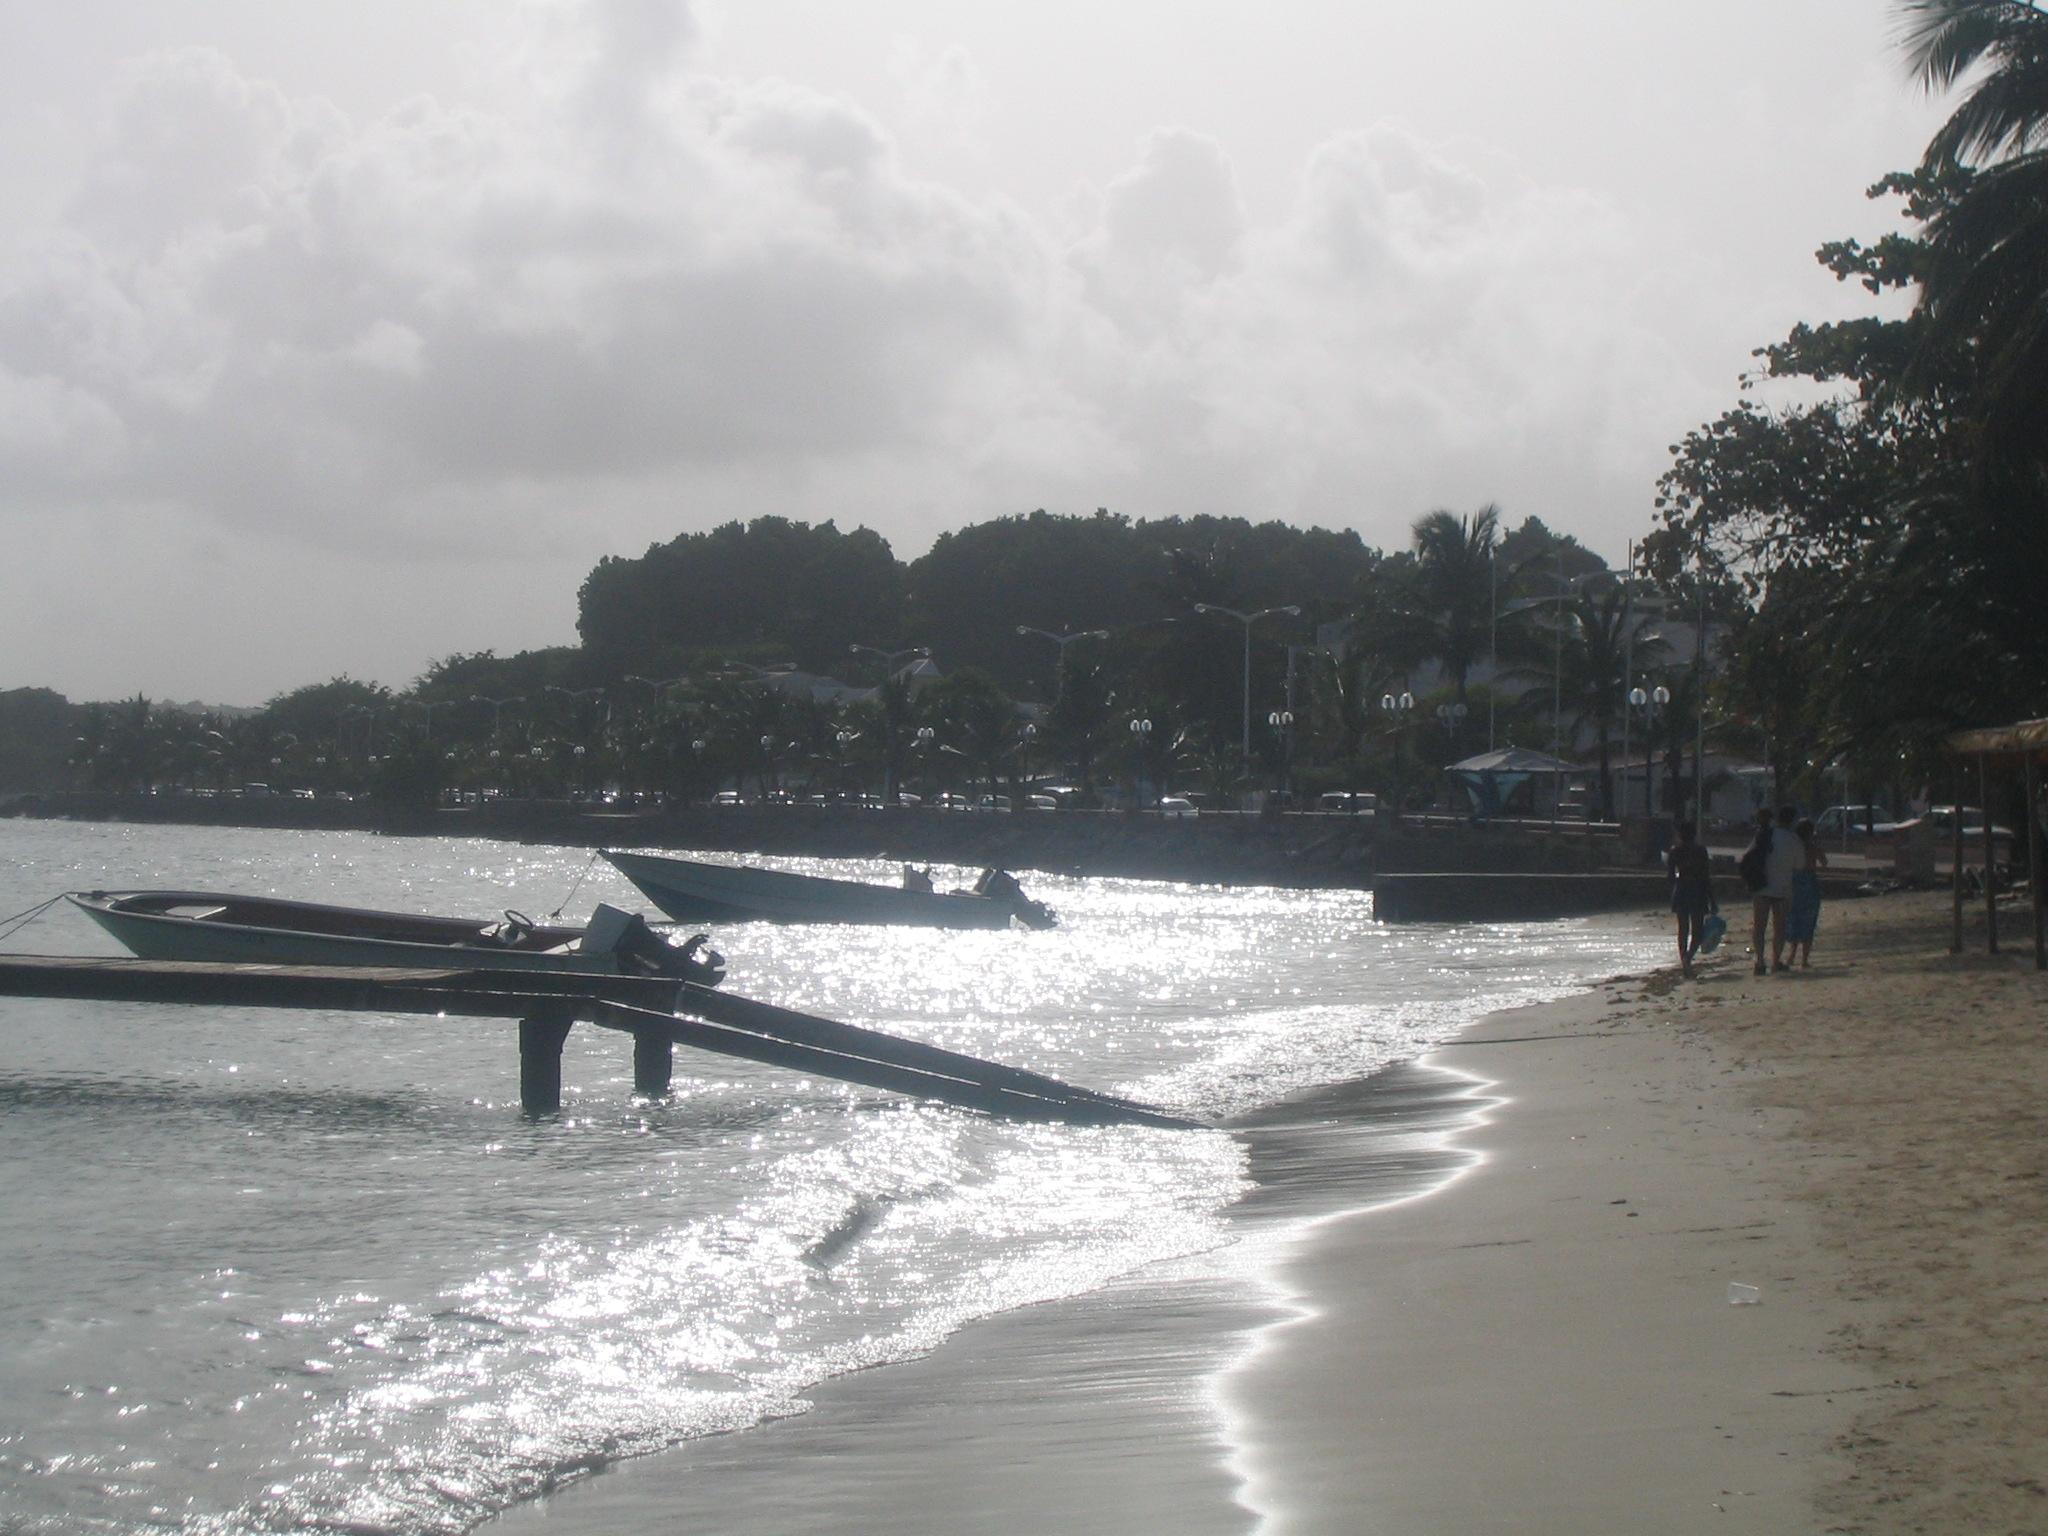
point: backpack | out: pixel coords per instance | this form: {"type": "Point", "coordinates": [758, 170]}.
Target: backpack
{"type": "Point", "coordinates": [1755, 864]}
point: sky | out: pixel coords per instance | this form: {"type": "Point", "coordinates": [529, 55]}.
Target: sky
{"type": "Point", "coordinates": [338, 339]}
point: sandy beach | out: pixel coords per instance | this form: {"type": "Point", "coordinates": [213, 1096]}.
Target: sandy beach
{"type": "Point", "coordinates": [1523, 1319]}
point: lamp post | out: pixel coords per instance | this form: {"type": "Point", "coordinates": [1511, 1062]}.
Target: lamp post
{"type": "Point", "coordinates": [844, 738]}
{"type": "Point", "coordinates": [926, 736]}
{"type": "Point", "coordinates": [889, 658]}
{"type": "Point", "coordinates": [1399, 706]}
{"type": "Point", "coordinates": [1282, 722]}
{"type": "Point", "coordinates": [1247, 620]}
{"type": "Point", "coordinates": [497, 707]}
{"type": "Point", "coordinates": [1059, 684]}
{"type": "Point", "coordinates": [1649, 703]}
{"type": "Point", "coordinates": [1141, 735]}
{"type": "Point", "coordinates": [1026, 739]}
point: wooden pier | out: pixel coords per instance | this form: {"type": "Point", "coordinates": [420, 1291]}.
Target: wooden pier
{"type": "Point", "coordinates": [660, 1013]}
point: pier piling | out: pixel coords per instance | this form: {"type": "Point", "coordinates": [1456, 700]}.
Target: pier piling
{"type": "Point", "coordinates": [658, 1012]}
{"type": "Point", "coordinates": [654, 1063]}
{"type": "Point", "coordinates": [541, 1036]}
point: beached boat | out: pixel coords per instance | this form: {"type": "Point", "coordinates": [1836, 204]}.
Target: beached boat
{"type": "Point", "coordinates": [692, 892]}
{"type": "Point", "coordinates": [210, 925]}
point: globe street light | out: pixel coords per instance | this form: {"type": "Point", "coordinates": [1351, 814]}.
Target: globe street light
{"type": "Point", "coordinates": [1282, 722]}
{"type": "Point", "coordinates": [844, 738]}
{"type": "Point", "coordinates": [926, 736]}
{"type": "Point", "coordinates": [1399, 706]}
{"type": "Point", "coordinates": [1649, 703]}
{"type": "Point", "coordinates": [1247, 620]}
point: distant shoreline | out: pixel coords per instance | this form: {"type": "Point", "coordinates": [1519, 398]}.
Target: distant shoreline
{"type": "Point", "coordinates": [1303, 850]}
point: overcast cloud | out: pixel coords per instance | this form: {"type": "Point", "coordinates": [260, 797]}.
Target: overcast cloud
{"type": "Point", "coordinates": [299, 376]}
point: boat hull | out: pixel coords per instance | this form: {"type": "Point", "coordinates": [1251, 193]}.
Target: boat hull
{"type": "Point", "coordinates": [692, 892]}
{"type": "Point", "coordinates": [165, 929]}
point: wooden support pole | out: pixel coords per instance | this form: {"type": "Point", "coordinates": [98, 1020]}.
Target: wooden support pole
{"type": "Point", "coordinates": [1990, 854]}
{"type": "Point", "coordinates": [541, 1035]}
{"type": "Point", "coordinates": [654, 1064]}
{"type": "Point", "coordinates": [1955, 945]}
{"type": "Point", "coordinates": [2037, 877]}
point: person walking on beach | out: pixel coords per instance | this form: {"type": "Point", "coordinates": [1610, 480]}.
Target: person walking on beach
{"type": "Point", "coordinates": [1692, 891]}
{"type": "Point", "coordinates": [1755, 869]}
{"type": "Point", "coordinates": [1782, 860]}
{"type": "Point", "coordinates": [1802, 912]}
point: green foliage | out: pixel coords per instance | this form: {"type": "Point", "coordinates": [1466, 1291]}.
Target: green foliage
{"type": "Point", "coordinates": [36, 730]}
{"type": "Point", "coordinates": [1889, 561]}
{"type": "Point", "coordinates": [813, 590]}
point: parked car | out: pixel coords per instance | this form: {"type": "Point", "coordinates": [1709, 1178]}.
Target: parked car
{"type": "Point", "coordinates": [993, 803]}
{"type": "Point", "coordinates": [1177, 805]}
{"type": "Point", "coordinates": [1942, 818]}
{"type": "Point", "coordinates": [1067, 797]}
{"type": "Point", "coordinates": [728, 797]}
{"type": "Point", "coordinates": [1351, 802]}
{"type": "Point", "coordinates": [1858, 820]}
{"type": "Point", "coordinates": [952, 802]}
{"type": "Point", "coordinates": [1041, 803]}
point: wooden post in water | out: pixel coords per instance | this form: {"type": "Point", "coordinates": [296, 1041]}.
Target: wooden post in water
{"type": "Point", "coordinates": [654, 1063]}
{"type": "Point", "coordinates": [541, 1035]}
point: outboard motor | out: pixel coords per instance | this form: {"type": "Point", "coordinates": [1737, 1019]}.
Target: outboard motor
{"type": "Point", "coordinates": [641, 950]}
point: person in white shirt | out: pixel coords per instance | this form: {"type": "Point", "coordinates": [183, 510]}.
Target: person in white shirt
{"type": "Point", "coordinates": [1786, 858]}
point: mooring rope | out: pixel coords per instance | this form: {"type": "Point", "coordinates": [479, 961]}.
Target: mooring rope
{"type": "Point", "coordinates": [578, 885]}
{"type": "Point", "coordinates": [9, 926]}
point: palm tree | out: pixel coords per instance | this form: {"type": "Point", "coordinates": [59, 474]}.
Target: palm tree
{"type": "Point", "coordinates": [979, 720]}
{"type": "Point", "coordinates": [1989, 280]}
{"type": "Point", "coordinates": [1454, 554]}
{"type": "Point", "coordinates": [1342, 691]}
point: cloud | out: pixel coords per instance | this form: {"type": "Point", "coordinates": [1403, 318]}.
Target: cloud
{"type": "Point", "coordinates": [648, 299]}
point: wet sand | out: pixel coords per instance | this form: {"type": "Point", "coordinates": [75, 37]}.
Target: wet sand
{"type": "Point", "coordinates": [1546, 1342]}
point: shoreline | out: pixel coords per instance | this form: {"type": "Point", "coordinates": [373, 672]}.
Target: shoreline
{"type": "Point", "coordinates": [1096, 1412]}
{"type": "Point", "coordinates": [1091, 1413]}
{"type": "Point", "coordinates": [1547, 1344]}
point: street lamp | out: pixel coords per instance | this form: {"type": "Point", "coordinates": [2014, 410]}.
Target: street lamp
{"type": "Point", "coordinates": [1649, 703]}
{"type": "Point", "coordinates": [1141, 735]}
{"type": "Point", "coordinates": [1282, 722]}
{"type": "Point", "coordinates": [497, 707]}
{"type": "Point", "coordinates": [1399, 706]}
{"type": "Point", "coordinates": [1059, 685]}
{"type": "Point", "coordinates": [889, 658]}
{"type": "Point", "coordinates": [1247, 620]}
{"type": "Point", "coordinates": [844, 738]}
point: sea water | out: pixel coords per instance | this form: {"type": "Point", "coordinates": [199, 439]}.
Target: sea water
{"type": "Point", "coordinates": [262, 1270]}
